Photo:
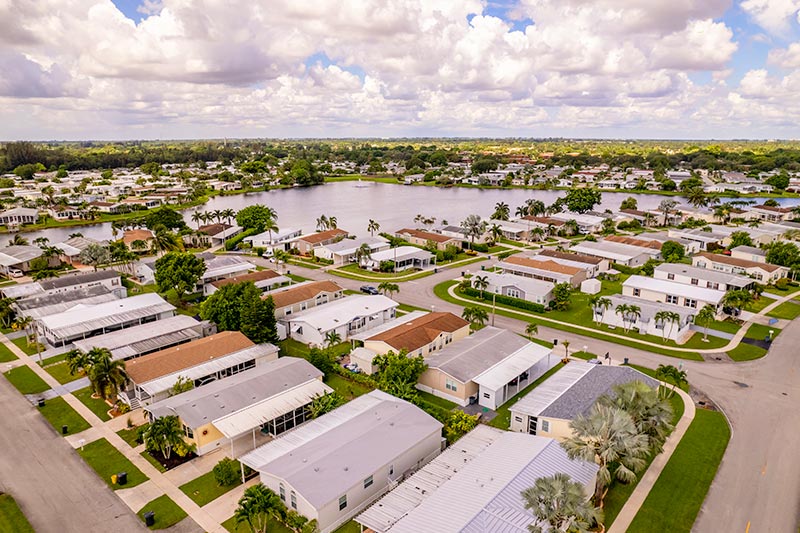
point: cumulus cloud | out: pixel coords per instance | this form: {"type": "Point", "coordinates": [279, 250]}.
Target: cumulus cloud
{"type": "Point", "coordinates": [366, 67]}
{"type": "Point", "coordinates": [775, 16]}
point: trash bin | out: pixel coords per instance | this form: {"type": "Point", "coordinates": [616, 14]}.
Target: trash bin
{"type": "Point", "coordinates": [149, 518]}
{"type": "Point", "coordinates": [483, 267]}
{"type": "Point", "coordinates": [122, 478]}
{"type": "Point", "coordinates": [41, 402]}
{"type": "Point", "coordinates": [435, 270]}
{"type": "Point", "coordinates": [555, 342]}
{"type": "Point", "coordinates": [113, 479]}
{"type": "Point", "coordinates": [625, 361]}
{"type": "Point", "coordinates": [64, 429]}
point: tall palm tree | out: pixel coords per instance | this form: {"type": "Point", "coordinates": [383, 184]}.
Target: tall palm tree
{"type": "Point", "coordinates": [496, 232]}
{"type": "Point", "coordinates": [281, 258]}
{"type": "Point", "coordinates": [537, 232]}
{"type": "Point", "coordinates": [388, 288]}
{"type": "Point", "coordinates": [634, 312]}
{"type": "Point", "coordinates": [531, 330]}
{"type": "Point", "coordinates": [24, 323]}
{"type": "Point", "coordinates": [673, 375]}
{"type": "Point", "coordinates": [164, 240]}
{"type": "Point", "coordinates": [704, 318]}
{"type": "Point", "coordinates": [599, 305]}
{"type": "Point", "coordinates": [269, 226]}
{"type": "Point", "coordinates": [107, 376]}
{"type": "Point", "coordinates": [651, 414]}
{"type": "Point", "coordinates": [501, 211]}
{"type": "Point", "coordinates": [363, 255]}
{"type": "Point", "coordinates": [197, 217]}
{"type": "Point", "coordinates": [661, 317]}
{"type": "Point", "coordinates": [258, 507]}
{"type": "Point", "coordinates": [473, 228]}
{"type": "Point", "coordinates": [333, 222]}
{"type": "Point", "coordinates": [228, 214]}
{"type": "Point", "coordinates": [18, 240]}
{"type": "Point", "coordinates": [332, 338]}
{"type": "Point", "coordinates": [673, 318]}
{"type": "Point", "coordinates": [608, 437]}
{"type": "Point", "coordinates": [481, 283]}
{"type": "Point", "coordinates": [322, 223]}
{"type": "Point", "coordinates": [535, 207]}
{"type": "Point", "coordinates": [475, 315]}
{"type": "Point", "coordinates": [560, 503]}
{"type": "Point", "coordinates": [622, 311]}
{"type": "Point", "coordinates": [521, 211]}
{"type": "Point", "coordinates": [218, 215]}
{"type": "Point", "coordinates": [372, 227]}
{"type": "Point", "coordinates": [666, 206]}
{"type": "Point", "coordinates": [697, 197]}
{"type": "Point", "coordinates": [78, 362]}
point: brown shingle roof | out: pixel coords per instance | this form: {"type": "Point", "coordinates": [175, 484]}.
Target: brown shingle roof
{"type": "Point", "coordinates": [261, 275]}
{"type": "Point", "coordinates": [552, 266]}
{"type": "Point", "coordinates": [735, 261]}
{"type": "Point", "coordinates": [136, 235]}
{"type": "Point", "coordinates": [642, 243]}
{"type": "Point", "coordinates": [580, 258]}
{"type": "Point", "coordinates": [301, 293]}
{"type": "Point", "coordinates": [322, 236]}
{"type": "Point", "coordinates": [213, 229]}
{"type": "Point", "coordinates": [773, 208]}
{"type": "Point", "coordinates": [164, 362]}
{"type": "Point", "coordinates": [544, 220]}
{"type": "Point", "coordinates": [420, 331]}
{"type": "Point", "coordinates": [425, 235]}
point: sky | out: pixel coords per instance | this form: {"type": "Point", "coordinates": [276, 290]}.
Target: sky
{"type": "Point", "coordinates": [187, 69]}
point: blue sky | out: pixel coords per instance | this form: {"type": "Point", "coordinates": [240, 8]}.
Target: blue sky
{"type": "Point", "coordinates": [606, 68]}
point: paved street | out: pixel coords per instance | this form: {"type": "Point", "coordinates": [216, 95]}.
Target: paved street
{"type": "Point", "coordinates": [58, 496]}
{"type": "Point", "coordinates": [757, 488]}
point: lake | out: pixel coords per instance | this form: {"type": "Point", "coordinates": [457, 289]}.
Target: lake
{"type": "Point", "coordinates": [392, 206]}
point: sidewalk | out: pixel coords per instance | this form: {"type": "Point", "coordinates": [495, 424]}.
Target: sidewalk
{"type": "Point", "coordinates": [636, 499]}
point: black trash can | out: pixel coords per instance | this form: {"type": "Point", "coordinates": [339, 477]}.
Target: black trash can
{"type": "Point", "coordinates": [122, 478]}
{"type": "Point", "coordinates": [41, 402]}
{"type": "Point", "coordinates": [149, 518]}
{"type": "Point", "coordinates": [64, 429]}
{"type": "Point", "coordinates": [435, 270]}
{"type": "Point", "coordinates": [625, 361]}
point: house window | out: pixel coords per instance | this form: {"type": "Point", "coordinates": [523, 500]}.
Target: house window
{"type": "Point", "coordinates": [518, 418]}
{"type": "Point", "coordinates": [188, 432]}
{"type": "Point", "coordinates": [303, 306]}
{"type": "Point", "coordinates": [690, 303]}
{"type": "Point", "coordinates": [294, 500]}
{"type": "Point", "coordinates": [343, 502]}
{"type": "Point", "coordinates": [637, 292]}
{"type": "Point", "coordinates": [545, 426]}
{"type": "Point", "coordinates": [670, 276]}
{"type": "Point", "coordinates": [391, 470]}
{"type": "Point", "coordinates": [486, 395]}
{"type": "Point", "coordinates": [672, 299]}
{"type": "Point", "coordinates": [282, 492]}
{"type": "Point", "coordinates": [449, 384]}
{"type": "Point", "coordinates": [514, 293]}
{"type": "Point", "coordinates": [288, 312]}
{"type": "Point", "coordinates": [694, 281]}
{"type": "Point", "coordinates": [368, 482]}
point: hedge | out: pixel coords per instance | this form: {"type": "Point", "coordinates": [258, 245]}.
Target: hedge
{"type": "Point", "coordinates": [233, 243]}
{"type": "Point", "coordinates": [505, 300]}
{"type": "Point", "coordinates": [480, 247]}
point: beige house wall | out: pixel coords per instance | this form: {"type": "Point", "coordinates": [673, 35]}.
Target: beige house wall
{"type": "Point", "coordinates": [434, 381]}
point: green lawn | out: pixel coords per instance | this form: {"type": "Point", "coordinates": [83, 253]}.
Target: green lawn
{"type": "Point", "coordinates": [359, 274]}
{"type": "Point", "coordinates": [107, 461]}
{"type": "Point", "coordinates": [440, 291]}
{"type": "Point", "coordinates": [205, 489]}
{"type": "Point", "coordinates": [758, 305]}
{"type": "Point", "coordinates": [12, 520]}
{"type": "Point", "coordinates": [60, 371]}
{"type": "Point", "coordinates": [166, 512]}
{"type": "Point", "coordinates": [435, 400]}
{"type": "Point", "coordinates": [6, 355]}
{"type": "Point", "coordinates": [129, 435]}
{"type": "Point", "coordinates": [349, 527]}
{"type": "Point", "coordinates": [97, 406]}
{"type": "Point", "coordinates": [760, 332]}
{"type": "Point", "coordinates": [346, 388]}
{"type": "Point", "coordinates": [503, 418]}
{"type": "Point", "coordinates": [296, 278]}
{"type": "Point", "coordinates": [58, 412]}
{"type": "Point", "coordinates": [787, 310]}
{"type": "Point", "coordinates": [618, 493]}
{"type": "Point", "coordinates": [678, 494]}
{"type": "Point", "coordinates": [746, 352]}
{"type": "Point", "coordinates": [22, 344]}
{"type": "Point", "coordinates": [273, 527]}
{"type": "Point", "coordinates": [25, 380]}
{"type": "Point", "coordinates": [727, 326]}
{"type": "Point", "coordinates": [409, 308]}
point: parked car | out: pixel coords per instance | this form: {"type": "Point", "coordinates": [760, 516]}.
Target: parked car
{"type": "Point", "coordinates": [15, 273]}
{"type": "Point", "coordinates": [369, 289]}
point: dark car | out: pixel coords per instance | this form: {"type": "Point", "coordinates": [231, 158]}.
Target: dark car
{"type": "Point", "coordinates": [369, 289]}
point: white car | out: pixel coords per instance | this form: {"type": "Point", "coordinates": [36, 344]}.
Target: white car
{"type": "Point", "coordinates": [15, 273]}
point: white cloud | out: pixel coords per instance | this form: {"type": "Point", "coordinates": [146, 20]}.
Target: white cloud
{"type": "Point", "coordinates": [775, 16]}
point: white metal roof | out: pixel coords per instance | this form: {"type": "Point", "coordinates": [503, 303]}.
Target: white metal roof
{"type": "Point", "coordinates": [531, 286]}
{"type": "Point", "coordinates": [22, 290]}
{"type": "Point", "coordinates": [349, 246]}
{"type": "Point", "coordinates": [613, 250]}
{"type": "Point", "coordinates": [674, 288]}
{"type": "Point", "coordinates": [120, 339]}
{"type": "Point", "coordinates": [706, 274]}
{"type": "Point", "coordinates": [215, 365]}
{"type": "Point", "coordinates": [511, 367]}
{"type": "Point", "coordinates": [533, 403]}
{"type": "Point", "coordinates": [399, 321]}
{"type": "Point", "coordinates": [483, 495]}
{"type": "Point", "coordinates": [331, 454]}
{"type": "Point", "coordinates": [340, 312]}
{"type": "Point", "coordinates": [401, 253]}
{"type": "Point", "coordinates": [83, 319]}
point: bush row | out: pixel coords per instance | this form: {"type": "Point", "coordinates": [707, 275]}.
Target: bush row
{"type": "Point", "coordinates": [505, 300]}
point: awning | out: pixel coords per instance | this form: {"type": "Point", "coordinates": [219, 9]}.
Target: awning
{"type": "Point", "coordinates": [512, 366]}
{"type": "Point", "coordinates": [256, 415]}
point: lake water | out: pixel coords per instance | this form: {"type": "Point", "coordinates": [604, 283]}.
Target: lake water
{"type": "Point", "coordinates": [392, 206]}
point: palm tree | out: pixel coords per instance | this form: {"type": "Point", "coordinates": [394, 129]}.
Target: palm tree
{"type": "Point", "coordinates": [45, 273]}
{"type": "Point", "coordinates": [473, 228]}
{"type": "Point", "coordinates": [41, 241]}
{"type": "Point", "coordinates": [332, 338]}
{"type": "Point", "coordinates": [372, 227]}
{"type": "Point", "coordinates": [281, 257]}
{"type": "Point", "coordinates": [662, 317]}
{"type": "Point", "coordinates": [75, 235]}
{"type": "Point", "coordinates": [165, 435]}
{"type": "Point", "coordinates": [560, 503]}
{"type": "Point", "coordinates": [322, 223]}
{"type": "Point", "coordinates": [737, 299]}
{"type": "Point", "coordinates": [599, 305]}
{"type": "Point", "coordinates": [477, 316]}
{"type": "Point", "coordinates": [363, 255]}
{"type": "Point", "coordinates": [164, 240]}
{"type": "Point", "coordinates": [229, 214]}
{"type": "Point", "coordinates": [666, 206]}
{"type": "Point", "coordinates": [673, 375]}
{"type": "Point", "coordinates": [634, 312]}
{"type": "Point", "coordinates": [697, 197]}
{"type": "Point", "coordinates": [521, 211]}
{"type": "Point", "coordinates": [218, 215]}
{"type": "Point", "coordinates": [608, 437]}
{"type": "Point", "coordinates": [481, 283]}
{"type": "Point", "coordinates": [673, 318]}
{"type": "Point", "coordinates": [197, 217]}
{"type": "Point", "coordinates": [107, 376]}
{"type": "Point", "coordinates": [535, 207]}
{"type": "Point", "coordinates": [24, 323]}
{"type": "Point", "coordinates": [78, 362]}
{"type": "Point", "coordinates": [388, 288]}
{"type": "Point", "coordinates": [651, 414]}
{"type": "Point", "coordinates": [622, 311]}
{"type": "Point", "coordinates": [704, 317]}
{"type": "Point", "coordinates": [571, 227]}
{"type": "Point", "coordinates": [537, 232]}
{"type": "Point", "coordinates": [18, 240]}
{"type": "Point", "coordinates": [258, 507]}
{"type": "Point", "coordinates": [496, 232]}
{"type": "Point", "coordinates": [531, 330]}
{"type": "Point", "coordinates": [269, 226]}
{"type": "Point", "coordinates": [501, 211]}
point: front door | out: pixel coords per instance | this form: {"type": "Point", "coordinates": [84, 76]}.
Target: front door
{"type": "Point", "coordinates": [532, 425]}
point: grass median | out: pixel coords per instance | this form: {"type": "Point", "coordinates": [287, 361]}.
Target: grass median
{"type": "Point", "coordinates": [676, 498]}
{"type": "Point", "coordinates": [205, 489]}
{"type": "Point", "coordinates": [165, 512]}
{"type": "Point", "coordinates": [26, 381]}
{"type": "Point", "coordinates": [106, 461]}
{"type": "Point", "coordinates": [59, 413]}
{"type": "Point", "coordinates": [12, 519]}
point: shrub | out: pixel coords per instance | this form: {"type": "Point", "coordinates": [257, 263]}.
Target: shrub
{"type": "Point", "coordinates": [226, 472]}
{"type": "Point", "coordinates": [234, 242]}
{"type": "Point", "coordinates": [506, 300]}
{"type": "Point", "coordinates": [480, 247]}
{"type": "Point", "coordinates": [782, 284]}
